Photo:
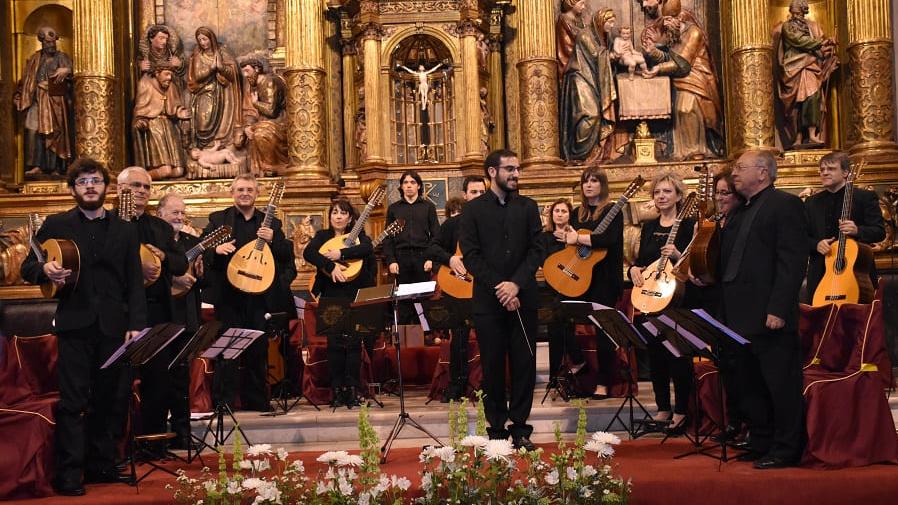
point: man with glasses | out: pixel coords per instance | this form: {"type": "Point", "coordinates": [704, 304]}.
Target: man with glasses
{"type": "Point", "coordinates": [763, 261]}
{"type": "Point", "coordinates": [106, 306]}
{"type": "Point", "coordinates": [159, 237]}
{"type": "Point", "coordinates": [865, 223]}
{"type": "Point", "coordinates": [499, 231]}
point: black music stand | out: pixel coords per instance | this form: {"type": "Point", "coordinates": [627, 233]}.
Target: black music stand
{"type": "Point", "coordinates": [278, 324]}
{"type": "Point", "coordinates": [445, 313]}
{"type": "Point", "coordinates": [563, 383]}
{"type": "Point", "coordinates": [696, 333]}
{"type": "Point", "coordinates": [134, 354]}
{"type": "Point", "coordinates": [228, 347]}
{"type": "Point", "coordinates": [395, 294]}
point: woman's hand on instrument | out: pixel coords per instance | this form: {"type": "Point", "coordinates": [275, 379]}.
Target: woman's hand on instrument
{"type": "Point", "coordinates": [265, 233]}
{"type": "Point", "coordinates": [333, 254]}
{"type": "Point", "coordinates": [428, 266]}
{"type": "Point", "coordinates": [56, 273]}
{"type": "Point", "coordinates": [506, 291]}
{"type": "Point", "coordinates": [394, 268]}
{"type": "Point", "coordinates": [671, 251]}
{"type": "Point", "coordinates": [848, 227]}
{"type": "Point", "coordinates": [457, 266]}
{"type": "Point", "coordinates": [825, 246]}
{"type": "Point", "coordinates": [226, 248]}
{"type": "Point", "coordinates": [337, 274]}
{"type": "Point", "coordinates": [636, 276]}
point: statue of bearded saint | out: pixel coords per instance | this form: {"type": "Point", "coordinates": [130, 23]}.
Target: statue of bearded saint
{"type": "Point", "coordinates": [806, 58]}
{"type": "Point", "coordinates": [158, 112]}
{"type": "Point", "coordinates": [264, 112]}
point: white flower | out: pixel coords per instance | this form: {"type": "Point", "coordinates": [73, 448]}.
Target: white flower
{"type": "Point", "coordinates": [252, 483]}
{"type": "Point", "coordinates": [426, 482]}
{"type": "Point", "coordinates": [600, 448]}
{"type": "Point", "coordinates": [210, 485]}
{"type": "Point", "coordinates": [474, 441]}
{"type": "Point", "coordinates": [400, 482]}
{"type": "Point", "coordinates": [233, 487]}
{"type": "Point", "coordinates": [364, 499]}
{"type": "Point", "coordinates": [588, 471]}
{"type": "Point", "coordinates": [246, 464]}
{"type": "Point", "coordinates": [585, 492]}
{"type": "Point", "coordinates": [498, 450]}
{"type": "Point", "coordinates": [261, 465]}
{"type": "Point", "coordinates": [345, 487]}
{"type": "Point", "coordinates": [349, 460]}
{"type": "Point", "coordinates": [259, 450]}
{"type": "Point", "coordinates": [606, 438]}
{"type": "Point", "coordinates": [323, 488]}
{"type": "Point", "coordinates": [552, 477]}
{"type": "Point", "coordinates": [330, 474]}
{"type": "Point", "coordinates": [331, 457]}
{"type": "Point", "coordinates": [282, 454]}
{"type": "Point", "coordinates": [570, 473]}
{"type": "Point", "coordinates": [382, 484]}
{"type": "Point", "coordinates": [268, 491]}
{"type": "Point", "coordinates": [446, 454]}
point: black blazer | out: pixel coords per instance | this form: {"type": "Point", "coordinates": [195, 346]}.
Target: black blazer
{"type": "Point", "coordinates": [228, 299]}
{"type": "Point", "coordinates": [110, 288]}
{"type": "Point", "coordinates": [773, 263]}
{"type": "Point", "coordinates": [187, 309]}
{"type": "Point", "coordinates": [865, 213]}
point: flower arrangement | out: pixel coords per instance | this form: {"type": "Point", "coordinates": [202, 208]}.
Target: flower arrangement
{"type": "Point", "coordinates": [471, 469]}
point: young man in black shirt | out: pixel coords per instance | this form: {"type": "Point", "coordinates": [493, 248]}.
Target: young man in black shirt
{"type": "Point", "coordinates": [499, 243]}
{"type": "Point", "coordinates": [106, 307]}
{"type": "Point", "coordinates": [445, 252]}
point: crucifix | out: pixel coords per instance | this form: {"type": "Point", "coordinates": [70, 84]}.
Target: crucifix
{"type": "Point", "coordinates": [423, 85]}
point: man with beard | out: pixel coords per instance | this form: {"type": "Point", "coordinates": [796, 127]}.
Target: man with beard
{"type": "Point", "coordinates": [45, 95]}
{"type": "Point", "coordinates": [158, 237]}
{"type": "Point", "coordinates": [264, 112]}
{"type": "Point", "coordinates": [157, 112]}
{"type": "Point", "coordinates": [106, 307]}
{"type": "Point", "coordinates": [499, 231]}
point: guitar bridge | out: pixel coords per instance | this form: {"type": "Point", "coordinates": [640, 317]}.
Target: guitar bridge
{"type": "Point", "coordinates": [568, 272]}
{"type": "Point", "coordinates": [648, 292]}
{"type": "Point", "coordinates": [250, 275]}
{"type": "Point", "coordinates": [835, 298]}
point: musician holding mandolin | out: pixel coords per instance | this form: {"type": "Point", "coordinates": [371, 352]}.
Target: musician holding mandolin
{"type": "Point", "coordinates": [106, 306]}
{"type": "Point", "coordinates": [447, 253]}
{"type": "Point", "coordinates": [344, 351]}
{"type": "Point", "coordinates": [655, 241]}
{"type": "Point", "coordinates": [237, 308]}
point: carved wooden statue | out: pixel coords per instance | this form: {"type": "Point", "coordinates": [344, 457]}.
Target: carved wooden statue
{"type": "Point", "coordinates": [214, 84]}
{"type": "Point", "coordinates": [567, 27]}
{"type": "Point", "coordinates": [264, 113]}
{"type": "Point", "coordinates": [158, 110]}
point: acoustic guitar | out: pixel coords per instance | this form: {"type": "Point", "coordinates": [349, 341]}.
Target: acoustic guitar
{"type": "Point", "coordinates": [391, 230]}
{"type": "Point", "coordinates": [454, 285]}
{"type": "Point", "coordinates": [661, 288]}
{"type": "Point", "coordinates": [126, 213]}
{"type": "Point", "coordinates": [352, 268]}
{"type": "Point", "coordinates": [569, 271]}
{"type": "Point", "coordinates": [705, 246]}
{"type": "Point", "coordinates": [252, 267]}
{"type": "Point", "coordinates": [848, 264]}
{"type": "Point", "coordinates": [218, 236]}
{"type": "Point", "coordinates": [62, 251]}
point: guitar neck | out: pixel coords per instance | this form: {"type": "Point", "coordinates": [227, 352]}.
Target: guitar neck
{"type": "Point", "coordinates": [609, 217]}
{"type": "Point", "coordinates": [266, 223]}
{"type": "Point", "coordinates": [847, 201]}
{"type": "Point", "coordinates": [360, 224]}
{"type": "Point", "coordinates": [194, 252]}
{"type": "Point", "coordinates": [671, 237]}
{"type": "Point", "coordinates": [380, 238]}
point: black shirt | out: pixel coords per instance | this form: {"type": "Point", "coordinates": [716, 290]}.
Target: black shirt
{"type": "Point", "coordinates": [654, 236]}
{"type": "Point", "coordinates": [420, 231]}
{"type": "Point", "coordinates": [324, 284]}
{"type": "Point", "coordinates": [499, 242]}
{"type": "Point", "coordinates": [607, 275]}
{"type": "Point", "coordinates": [245, 230]}
{"type": "Point", "coordinates": [447, 240]}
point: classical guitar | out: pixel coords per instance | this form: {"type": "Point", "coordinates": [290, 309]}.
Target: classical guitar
{"type": "Point", "coordinates": [705, 246]}
{"type": "Point", "coordinates": [352, 268]}
{"type": "Point", "coordinates": [848, 264]}
{"type": "Point", "coordinates": [569, 271]}
{"type": "Point", "coordinates": [62, 251]}
{"type": "Point", "coordinates": [454, 285]}
{"type": "Point", "coordinates": [126, 213]}
{"type": "Point", "coordinates": [661, 288]}
{"type": "Point", "coordinates": [218, 236]}
{"type": "Point", "coordinates": [252, 267]}
{"type": "Point", "coordinates": [391, 230]}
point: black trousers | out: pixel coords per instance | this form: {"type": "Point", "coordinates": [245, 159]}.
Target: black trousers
{"type": "Point", "coordinates": [502, 339]}
{"type": "Point", "coordinates": [562, 341]}
{"type": "Point", "coordinates": [730, 356]}
{"type": "Point", "coordinates": [458, 361]}
{"type": "Point", "coordinates": [663, 367]}
{"type": "Point", "coordinates": [157, 382]}
{"type": "Point", "coordinates": [253, 361]}
{"type": "Point", "coordinates": [90, 402]}
{"type": "Point", "coordinates": [344, 360]}
{"type": "Point", "coordinates": [411, 269]}
{"type": "Point", "coordinates": [770, 378]}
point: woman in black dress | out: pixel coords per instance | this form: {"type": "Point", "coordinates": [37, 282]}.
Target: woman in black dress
{"type": "Point", "coordinates": [343, 349]}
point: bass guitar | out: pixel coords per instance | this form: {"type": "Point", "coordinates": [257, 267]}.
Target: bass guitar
{"type": "Point", "coordinates": [705, 247]}
{"type": "Point", "coordinates": [454, 285]}
{"type": "Point", "coordinates": [848, 264]}
{"type": "Point", "coordinates": [252, 267]}
{"type": "Point", "coordinates": [660, 287]}
{"type": "Point", "coordinates": [569, 271]}
{"type": "Point", "coordinates": [218, 236]}
{"type": "Point", "coordinates": [62, 251]}
{"type": "Point", "coordinates": [126, 213]}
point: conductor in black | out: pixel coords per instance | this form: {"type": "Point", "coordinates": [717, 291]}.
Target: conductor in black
{"type": "Point", "coordinates": [499, 231]}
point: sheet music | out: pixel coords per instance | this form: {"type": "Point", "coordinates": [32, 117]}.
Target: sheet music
{"type": "Point", "coordinates": [231, 343]}
{"type": "Point", "coordinates": [651, 327]}
{"type": "Point", "coordinates": [717, 324]}
{"type": "Point", "coordinates": [415, 289]}
{"type": "Point", "coordinates": [688, 335]}
{"type": "Point", "coordinates": [673, 350]}
{"type": "Point", "coordinates": [169, 341]}
{"type": "Point", "coordinates": [592, 319]}
{"type": "Point", "coordinates": [124, 347]}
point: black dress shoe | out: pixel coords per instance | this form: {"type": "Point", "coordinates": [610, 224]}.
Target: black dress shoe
{"type": "Point", "coordinates": [524, 442]}
{"type": "Point", "coordinates": [76, 490]}
{"type": "Point", "coordinates": [770, 462]}
{"type": "Point", "coordinates": [677, 430]}
{"type": "Point", "coordinates": [729, 433]}
{"type": "Point", "coordinates": [749, 456]}
{"type": "Point", "coordinates": [111, 477]}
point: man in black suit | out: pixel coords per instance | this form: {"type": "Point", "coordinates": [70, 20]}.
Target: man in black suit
{"type": "Point", "coordinates": [865, 223]}
{"type": "Point", "coordinates": [107, 306]}
{"type": "Point", "coordinates": [499, 231]}
{"type": "Point", "coordinates": [158, 236]}
{"type": "Point", "coordinates": [236, 309]}
{"type": "Point", "coordinates": [763, 260]}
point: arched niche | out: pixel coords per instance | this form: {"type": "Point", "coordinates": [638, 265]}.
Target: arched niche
{"type": "Point", "coordinates": [56, 15]}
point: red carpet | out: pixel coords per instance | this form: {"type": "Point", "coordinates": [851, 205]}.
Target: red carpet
{"type": "Point", "coordinates": [657, 479]}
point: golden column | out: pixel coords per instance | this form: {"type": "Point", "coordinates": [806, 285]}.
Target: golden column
{"type": "Point", "coordinates": [870, 129]}
{"type": "Point", "coordinates": [538, 76]}
{"type": "Point", "coordinates": [348, 52]}
{"type": "Point", "coordinates": [497, 81]}
{"type": "Point", "coordinates": [306, 92]}
{"type": "Point", "coordinates": [374, 111]}
{"type": "Point", "coordinates": [97, 124]}
{"type": "Point", "coordinates": [751, 67]}
{"type": "Point", "coordinates": [467, 32]}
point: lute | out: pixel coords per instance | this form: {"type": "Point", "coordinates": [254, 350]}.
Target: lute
{"type": "Point", "coordinates": [704, 251]}
{"type": "Point", "coordinates": [218, 236]}
{"type": "Point", "coordinates": [252, 267]}
{"type": "Point", "coordinates": [63, 252]}
{"type": "Point", "coordinates": [352, 268]}
{"type": "Point", "coordinates": [126, 213]}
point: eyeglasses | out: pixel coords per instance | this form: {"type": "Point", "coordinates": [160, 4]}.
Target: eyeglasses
{"type": "Point", "coordinates": [138, 185]}
{"type": "Point", "coordinates": [725, 193]}
{"type": "Point", "coordinates": [89, 181]}
{"type": "Point", "coordinates": [511, 168]}
{"type": "Point", "coordinates": [738, 167]}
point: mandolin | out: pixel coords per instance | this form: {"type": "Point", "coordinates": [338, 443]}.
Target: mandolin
{"type": "Point", "coordinates": [62, 251]}
{"type": "Point", "coordinates": [454, 285]}
{"type": "Point", "coordinates": [352, 268]}
{"type": "Point", "coordinates": [218, 236]}
{"type": "Point", "coordinates": [705, 246]}
{"type": "Point", "coordinates": [126, 213]}
{"type": "Point", "coordinates": [661, 288]}
{"type": "Point", "coordinates": [848, 264]}
{"type": "Point", "coordinates": [252, 267]}
{"type": "Point", "coordinates": [392, 229]}
{"type": "Point", "coordinates": [569, 271]}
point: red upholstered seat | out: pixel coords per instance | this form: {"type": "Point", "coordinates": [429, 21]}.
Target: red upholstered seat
{"type": "Point", "coordinates": [200, 393]}
{"type": "Point", "coordinates": [440, 380]}
{"type": "Point", "coordinates": [708, 389]}
{"type": "Point", "coordinates": [589, 377]}
{"type": "Point", "coordinates": [849, 422]}
{"type": "Point", "coordinates": [814, 328]}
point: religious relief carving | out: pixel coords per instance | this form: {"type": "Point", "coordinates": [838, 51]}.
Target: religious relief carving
{"type": "Point", "coordinates": [752, 90]}
{"type": "Point", "coordinates": [302, 235]}
{"type": "Point", "coordinates": [486, 121]}
{"type": "Point", "coordinates": [159, 120]}
{"type": "Point", "coordinates": [44, 97]}
{"type": "Point", "coordinates": [483, 52]}
{"type": "Point", "coordinates": [871, 84]}
{"type": "Point", "coordinates": [361, 129]}
{"type": "Point", "coordinates": [568, 25]}
{"type": "Point", "coordinates": [161, 45]}
{"type": "Point", "coordinates": [418, 6]}
{"type": "Point", "coordinates": [806, 59]}
{"type": "Point", "coordinates": [264, 114]}
{"type": "Point", "coordinates": [625, 53]}
{"type": "Point", "coordinates": [214, 84]}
